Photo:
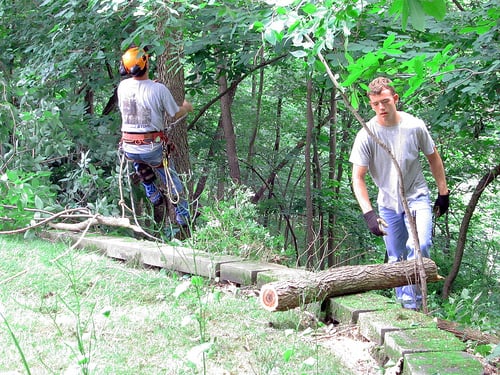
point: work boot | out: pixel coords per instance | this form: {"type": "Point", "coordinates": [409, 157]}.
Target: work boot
{"type": "Point", "coordinates": [159, 213]}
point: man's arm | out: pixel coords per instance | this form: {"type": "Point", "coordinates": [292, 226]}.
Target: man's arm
{"type": "Point", "coordinates": [437, 169]}
{"type": "Point", "coordinates": [184, 109]}
{"type": "Point", "coordinates": [375, 224]}
{"type": "Point", "coordinates": [359, 187]}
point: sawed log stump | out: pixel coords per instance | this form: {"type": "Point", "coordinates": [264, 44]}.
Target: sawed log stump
{"type": "Point", "coordinates": [286, 295]}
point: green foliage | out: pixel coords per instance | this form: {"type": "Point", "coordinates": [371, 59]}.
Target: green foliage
{"type": "Point", "coordinates": [230, 227]}
{"type": "Point", "coordinates": [416, 10]}
{"type": "Point", "coordinates": [20, 191]}
{"type": "Point", "coordinates": [472, 307]}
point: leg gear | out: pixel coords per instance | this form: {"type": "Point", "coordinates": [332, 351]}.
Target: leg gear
{"type": "Point", "coordinates": [147, 177]}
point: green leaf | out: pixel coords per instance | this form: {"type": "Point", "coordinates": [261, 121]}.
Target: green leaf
{"type": "Point", "coordinates": [258, 26]}
{"type": "Point", "coordinates": [299, 53]}
{"type": "Point", "coordinates": [309, 9]}
{"type": "Point", "coordinates": [435, 8]}
{"type": "Point", "coordinates": [416, 14]}
{"type": "Point", "coordinates": [389, 40]}
{"type": "Point", "coordinates": [38, 203]}
{"type": "Point", "coordinates": [482, 27]}
{"type": "Point", "coordinates": [287, 355]}
{"type": "Point", "coordinates": [354, 100]}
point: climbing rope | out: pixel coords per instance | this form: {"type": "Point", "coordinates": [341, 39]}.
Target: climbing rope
{"type": "Point", "coordinates": [170, 188]}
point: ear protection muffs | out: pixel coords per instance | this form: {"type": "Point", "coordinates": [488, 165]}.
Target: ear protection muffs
{"type": "Point", "coordinates": [134, 62]}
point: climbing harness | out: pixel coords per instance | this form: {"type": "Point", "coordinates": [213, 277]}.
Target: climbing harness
{"type": "Point", "coordinates": [168, 189]}
{"type": "Point", "coordinates": [144, 138]}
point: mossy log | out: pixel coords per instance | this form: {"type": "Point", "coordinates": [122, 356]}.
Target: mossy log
{"type": "Point", "coordinates": [285, 295]}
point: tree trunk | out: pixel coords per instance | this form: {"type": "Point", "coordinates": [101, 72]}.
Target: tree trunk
{"type": "Point", "coordinates": [308, 180]}
{"type": "Point", "coordinates": [285, 295]}
{"type": "Point", "coordinates": [229, 134]}
{"type": "Point", "coordinates": [462, 236]}
{"type": "Point", "coordinates": [332, 162]}
{"type": "Point", "coordinates": [318, 206]}
{"type": "Point", "coordinates": [256, 95]}
{"type": "Point", "coordinates": [171, 74]}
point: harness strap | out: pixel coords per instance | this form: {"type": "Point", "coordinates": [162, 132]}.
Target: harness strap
{"type": "Point", "coordinates": [144, 138]}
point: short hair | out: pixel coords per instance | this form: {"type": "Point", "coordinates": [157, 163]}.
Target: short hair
{"type": "Point", "coordinates": [379, 84]}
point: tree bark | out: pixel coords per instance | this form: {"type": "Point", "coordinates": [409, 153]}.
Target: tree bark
{"type": "Point", "coordinates": [256, 95]}
{"type": "Point", "coordinates": [332, 163]}
{"type": "Point", "coordinates": [462, 236]}
{"type": "Point", "coordinates": [285, 295]}
{"type": "Point", "coordinates": [229, 134]}
{"type": "Point", "coordinates": [308, 170]}
{"type": "Point", "coordinates": [172, 76]}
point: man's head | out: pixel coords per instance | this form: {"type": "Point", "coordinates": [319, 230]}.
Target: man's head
{"type": "Point", "coordinates": [383, 100]}
{"type": "Point", "coordinates": [134, 62]}
{"type": "Point", "coordinates": [379, 84]}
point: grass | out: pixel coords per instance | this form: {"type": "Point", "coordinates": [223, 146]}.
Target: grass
{"type": "Point", "coordinates": [87, 314]}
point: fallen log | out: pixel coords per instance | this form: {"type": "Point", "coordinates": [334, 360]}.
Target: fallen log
{"type": "Point", "coordinates": [286, 295]}
{"type": "Point", "coordinates": [466, 334]}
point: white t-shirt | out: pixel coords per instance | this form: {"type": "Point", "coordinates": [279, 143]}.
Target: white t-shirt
{"type": "Point", "coordinates": [143, 105]}
{"type": "Point", "coordinates": [405, 141]}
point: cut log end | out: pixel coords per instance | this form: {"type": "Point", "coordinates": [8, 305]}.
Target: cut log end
{"type": "Point", "coordinates": [268, 298]}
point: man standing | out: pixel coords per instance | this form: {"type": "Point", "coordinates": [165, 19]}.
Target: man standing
{"type": "Point", "coordinates": [143, 105]}
{"type": "Point", "coordinates": [405, 135]}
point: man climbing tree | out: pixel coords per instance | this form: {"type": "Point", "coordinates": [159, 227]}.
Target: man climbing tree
{"type": "Point", "coordinates": [143, 105]}
{"type": "Point", "coordinates": [405, 136]}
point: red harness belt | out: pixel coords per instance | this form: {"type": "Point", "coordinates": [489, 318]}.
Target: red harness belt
{"type": "Point", "coordinates": [144, 138]}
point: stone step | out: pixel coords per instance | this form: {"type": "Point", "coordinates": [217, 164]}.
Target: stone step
{"type": "Point", "coordinates": [426, 350]}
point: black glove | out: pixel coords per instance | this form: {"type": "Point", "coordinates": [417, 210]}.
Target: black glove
{"type": "Point", "coordinates": [375, 223]}
{"type": "Point", "coordinates": [441, 205]}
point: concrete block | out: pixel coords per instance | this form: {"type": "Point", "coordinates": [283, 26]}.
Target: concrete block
{"type": "Point", "coordinates": [374, 325]}
{"type": "Point", "coordinates": [209, 265]}
{"type": "Point", "coordinates": [400, 343]}
{"type": "Point", "coordinates": [346, 309]}
{"type": "Point", "coordinates": [175, 258]}
{"type": "Point", "coordinates": [442, 363]}
{"type": "Point", "coordinates": [244, 272]}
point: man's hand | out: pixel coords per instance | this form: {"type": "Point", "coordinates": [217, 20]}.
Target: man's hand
{"type": "Point", "coordinates": [442, 204]}
{"type": "Point", "coordinates": [375, 223]}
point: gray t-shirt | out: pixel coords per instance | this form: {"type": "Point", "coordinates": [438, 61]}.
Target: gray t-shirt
{"type": "Point", "coordinates": [405, 141]}
{"type": "Point", "coordinates": [143, 104]}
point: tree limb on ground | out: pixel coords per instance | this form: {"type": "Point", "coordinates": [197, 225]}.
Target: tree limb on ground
{"type": "Point", "coordinates": [466, 334]}
{"type": "Point", "coordinates": [97, 220]}
{"type": "Point", "coordinates": [316, 287]}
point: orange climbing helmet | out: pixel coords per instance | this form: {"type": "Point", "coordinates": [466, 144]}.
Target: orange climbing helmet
{"type": "Point", "coordinates": [134, 62]}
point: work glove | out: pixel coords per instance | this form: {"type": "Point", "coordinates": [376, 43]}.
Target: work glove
{"type": "Point", "coordinates": [441, 205]}
{"type": "Point", "coordinates": [375, 223]}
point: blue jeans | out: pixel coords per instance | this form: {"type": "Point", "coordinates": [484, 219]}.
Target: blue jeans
{"type": "Point", "coordinates": [155, 160]}
{"type": "Point", "coordinates": [400, 246]}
